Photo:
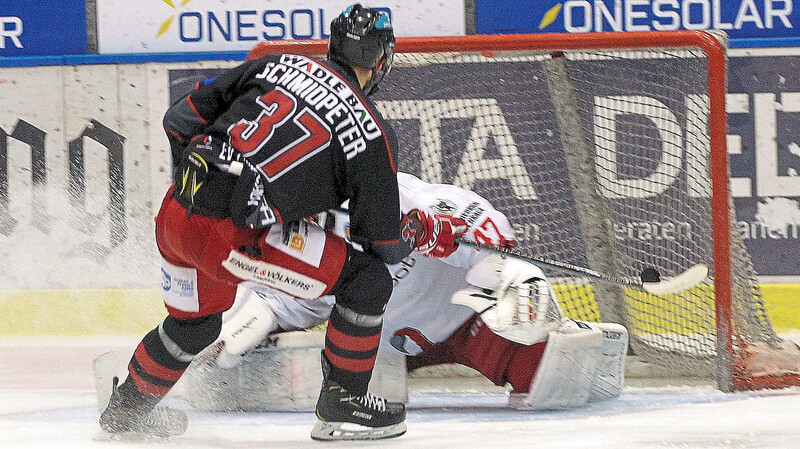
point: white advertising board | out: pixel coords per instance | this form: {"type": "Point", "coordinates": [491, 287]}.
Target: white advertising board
{"type": "Point", "coordinates": [153, 26]}
{"type": "Point", "coordinates": [86, 166]}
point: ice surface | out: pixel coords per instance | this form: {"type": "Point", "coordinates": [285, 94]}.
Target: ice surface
{"type": "Point", "coordinates": [47, 401]}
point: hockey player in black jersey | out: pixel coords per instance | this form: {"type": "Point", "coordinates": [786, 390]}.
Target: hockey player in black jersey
{"type": "Point", "coordinates": [256, 151]}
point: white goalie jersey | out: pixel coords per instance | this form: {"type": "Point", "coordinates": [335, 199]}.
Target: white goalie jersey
{"type": "Point", "coordinates": [419, 313]}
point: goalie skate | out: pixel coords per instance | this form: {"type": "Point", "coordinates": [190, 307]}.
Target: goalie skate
{"type": "Point", "coordinates": [344, 416]}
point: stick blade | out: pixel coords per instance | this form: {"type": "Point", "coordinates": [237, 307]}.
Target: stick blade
{"type": "Point", "coordinates": [684, 281]}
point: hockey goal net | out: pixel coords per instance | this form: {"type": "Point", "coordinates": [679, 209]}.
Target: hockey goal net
{"type": "Point", "coordinates": [605, 151]}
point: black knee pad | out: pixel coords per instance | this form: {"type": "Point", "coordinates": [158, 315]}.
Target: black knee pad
{"type": "Point", "coordinates": [194, 334]}
{"type": "Point", "coordinates": [365, 284]}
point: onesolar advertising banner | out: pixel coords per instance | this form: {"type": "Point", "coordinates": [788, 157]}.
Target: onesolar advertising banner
{"type": "Point", "coordinates": [54, 27]}
{"type": "Point", "coordinates": [738, 18]}
{"type": "Point", "coordinates": [209, 25]}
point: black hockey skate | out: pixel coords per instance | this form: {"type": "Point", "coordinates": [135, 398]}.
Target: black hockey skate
{"type": "Point", "coordinates": [128, 416]}
{"type": "Point", "coordinates": [344, 416]}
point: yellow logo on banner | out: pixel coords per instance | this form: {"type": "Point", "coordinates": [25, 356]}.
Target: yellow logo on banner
{"type": "Point", "coordinates": [549, 16]}
{"type": "Point", "coordinates": [168, 23]}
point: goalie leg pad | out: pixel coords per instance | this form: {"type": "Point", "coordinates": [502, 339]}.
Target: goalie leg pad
{"type": "Point", "coordinates": [282, 374]}
{"type": "Point", "coordinates": [244, 328]}
{"type": "Point", "coordinates": [610, 375]}
{"type": "Point", "coordinates": [566, 372]}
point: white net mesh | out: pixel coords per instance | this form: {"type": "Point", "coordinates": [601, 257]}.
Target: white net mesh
{"type": "Point", "coordinates": [600, 159]}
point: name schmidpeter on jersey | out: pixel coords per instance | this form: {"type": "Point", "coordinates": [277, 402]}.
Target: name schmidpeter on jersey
{"type": "Point", "coordinates": [326, 92]}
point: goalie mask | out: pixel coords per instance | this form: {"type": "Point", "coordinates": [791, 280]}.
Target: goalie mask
{"type": "Point", "coordinates": [362, 37]}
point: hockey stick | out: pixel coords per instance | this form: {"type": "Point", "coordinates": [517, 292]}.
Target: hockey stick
{"type": "Point", "coordinates": [649, 280]}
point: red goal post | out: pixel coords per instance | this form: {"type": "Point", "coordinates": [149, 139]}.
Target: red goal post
{"type": "Point", "coordinates": [666, 330]}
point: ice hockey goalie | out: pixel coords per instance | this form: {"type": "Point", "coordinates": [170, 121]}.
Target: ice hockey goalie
{"type": "Point", "coordinates": [497, 315]}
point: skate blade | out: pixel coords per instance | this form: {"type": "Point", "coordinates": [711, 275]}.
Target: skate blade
{"type": "Point", "coordinates": [331, 431]}
{"type": "Point", "coordinates": [128, 437]}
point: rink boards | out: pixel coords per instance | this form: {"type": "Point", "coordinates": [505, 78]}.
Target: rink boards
{"type": "Point", "coordinates": [84, 312]}
{"type": "Point", "coordinates": [88, 164]}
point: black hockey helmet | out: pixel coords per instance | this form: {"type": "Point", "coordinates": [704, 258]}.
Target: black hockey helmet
{"type": "Point", "coordinates": [362, 37]}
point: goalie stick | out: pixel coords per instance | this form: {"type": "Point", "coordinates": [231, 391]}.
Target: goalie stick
{"type": "Point", "coordinates": [649, 280]}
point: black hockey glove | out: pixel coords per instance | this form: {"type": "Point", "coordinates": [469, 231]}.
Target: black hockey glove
{"type": "Point", "coordinates": [193, 171]}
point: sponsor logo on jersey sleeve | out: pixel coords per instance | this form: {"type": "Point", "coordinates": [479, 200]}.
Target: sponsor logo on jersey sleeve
{"type": "Point", "coordinates": [444, 207]}
{"type": "Point", "coordinates": [166, 280]}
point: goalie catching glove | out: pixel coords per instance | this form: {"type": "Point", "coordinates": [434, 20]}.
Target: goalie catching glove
{"type": "Point", "coordinates": [432, 235]}
{"type": "Point", "coordinates": [513, 299]}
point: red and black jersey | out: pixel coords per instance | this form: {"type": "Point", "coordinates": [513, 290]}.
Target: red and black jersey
{"type": "Point", "coordinates": [310, 137]}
